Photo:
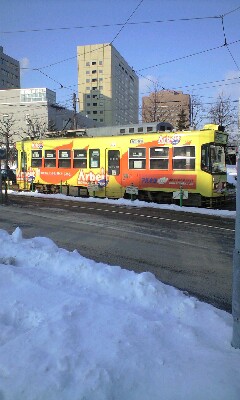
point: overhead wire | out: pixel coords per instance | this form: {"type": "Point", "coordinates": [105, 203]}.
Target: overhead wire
{"type": "Point", "coordinates": [123, 25]}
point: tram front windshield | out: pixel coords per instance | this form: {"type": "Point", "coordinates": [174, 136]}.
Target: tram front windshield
{"type": "Point", "coordinates": [213, 158]}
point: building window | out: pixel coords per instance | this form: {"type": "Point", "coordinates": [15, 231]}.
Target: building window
{"type": "Point", "coordinates": [140, 129]}
{"type": "Point", "coordinates": [94, 63]}
{"type": "Point", "coordinates": [131, 130]}
{"type": "Point", "coordinates": [94, 80]}
{"type": "Point", "coordinates": [94, 88]}
{"type": "Point", "coordinates": [100, 63]}
{"type": "Point", "coordinates": [94, 96]}
{"type": "Point", "coordinates": [149, 128]}
{"type": "Point", "coordinates": [88, 112]}
{"type": "Point", "coordinates": [122, 130]}
{"type": "Point", "coordinates": [100, 87]}
{"type": "Point", "coordinates": [94, 112]}
{"type": "Point", "coordinates": [94, 104]}
{"type": "Point", "coordinates": [87, 64]}
{"type": "Point", "coordinates": [87, 80]}
{"type": "Point", "coordinates": [94, 71]}
{"type": "Point", "coordinates": [100, 71]}
{"type": "Point", "coordinates": [88, 104]}
{"type": "Point", "coordinates": [87, 72]}
{"type": "Point", "coordinates": [137, 158]}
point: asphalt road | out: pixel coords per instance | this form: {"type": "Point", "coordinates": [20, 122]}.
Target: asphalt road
{"type": "Point", "coordinates": [189, 251]}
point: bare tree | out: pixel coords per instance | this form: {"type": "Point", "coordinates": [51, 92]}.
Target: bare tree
{"type": "Point", "coordinates": [155, 109]}
{"type": "Point", "coordinates": [36, 128]}
{"type": "Point", "coordinates": [183, 121]}
{"type": "Point", "coordinates": [197, 111]}
{"type": "Point", "coordinates": [223, 113]}
{"type": "Point", "coordinates": [6, 142]}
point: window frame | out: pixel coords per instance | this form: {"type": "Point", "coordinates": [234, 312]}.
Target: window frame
{"type": "Point", "coordinates": [137, 161]}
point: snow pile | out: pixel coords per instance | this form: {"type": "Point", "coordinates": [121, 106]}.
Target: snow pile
{"type": "Point", "coordinates": [74, 329]}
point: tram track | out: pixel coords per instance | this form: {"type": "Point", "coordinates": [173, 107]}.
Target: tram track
{"type": "Point", "coordinates": [147, 213]}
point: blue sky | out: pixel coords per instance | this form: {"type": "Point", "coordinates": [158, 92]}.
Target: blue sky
{"type": "Point", "coordinates": [148, 47]}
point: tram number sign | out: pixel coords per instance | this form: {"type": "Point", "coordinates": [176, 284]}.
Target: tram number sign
{"type": "Point", "coordinates": [93, 186]}
{"type": "Point", "coordinates": [131, 190]}
{"type": "Point", "coordinates": [177, 194]}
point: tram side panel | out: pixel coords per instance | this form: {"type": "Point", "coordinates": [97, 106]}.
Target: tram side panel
{"type": "Point", "coordinates": [155, 163]}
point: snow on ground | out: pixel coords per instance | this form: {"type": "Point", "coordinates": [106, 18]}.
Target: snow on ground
{"type": "Point", "coordinates": [71, 328]}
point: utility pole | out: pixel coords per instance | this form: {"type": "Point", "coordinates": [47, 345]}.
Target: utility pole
{"type": "Point", "coordinates": [236, 265]}
{"type": "Point", "coordinates": [74, 111]}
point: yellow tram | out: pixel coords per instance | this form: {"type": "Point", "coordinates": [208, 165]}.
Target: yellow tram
{"type": "Point", "coordinates": [155, 165]}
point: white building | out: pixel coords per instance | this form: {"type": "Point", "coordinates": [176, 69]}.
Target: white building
{"type": "Point", "coordinates": [35, 111]}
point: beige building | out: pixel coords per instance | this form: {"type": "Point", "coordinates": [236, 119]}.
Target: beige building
{"type": "Point", "coordinates": [108, 87]}
{"type": "Point", "coordinates": [166, 105]}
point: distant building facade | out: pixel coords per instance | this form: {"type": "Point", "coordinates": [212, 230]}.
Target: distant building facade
{"type": "Point", "coordinates": [9, 71]}
{"type": "Point", "coordinates": [141, 128]}
{"type": "Point", "coordinates": [166, 105]}
{"type": "Point", "coordinates": [35, 111]}
{"type": "Point", "coordinates": [108, 87]}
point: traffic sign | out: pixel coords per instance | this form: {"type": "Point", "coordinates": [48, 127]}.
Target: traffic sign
{"type": "Point", "coordinates": [179, 193]}
{"type": "Point", "coordinates": [132, 190]}
{"type": "Point", "coordinates": [93, 186]}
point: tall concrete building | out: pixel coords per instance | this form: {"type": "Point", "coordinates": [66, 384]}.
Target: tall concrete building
{"type": "Point", "coordinates": [9, 72]}
{"type": "Point", "coordinates": [166, 105]}
{"type": "Point", "coordinates": [108, 88]}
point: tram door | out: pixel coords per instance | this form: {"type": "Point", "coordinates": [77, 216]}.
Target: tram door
{"type": "Point", "coordinates": [113, 173]}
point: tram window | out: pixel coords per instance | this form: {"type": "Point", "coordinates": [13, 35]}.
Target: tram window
{"type": "Point", "coordinates": [159, 157]}
{"type": "Point", "coordinates": [50, 159]}
{"type": "Point", "coordinates": [80, 158]}
{"type": "Point", "coordinates": [205, 157]}
{"type": "Point", "coordinates": [184, 157]}
{"type": "Point", "coordinates": [217, 158]}
{"type": "Point", "coordinates": [184, 164]}
{"type": "Point", "coordinates": [94, 158]}
{"type": "Point", "coordinates": [36, 158]}
{"type": "Point", "coordinates": [137, 158]}
{"type": "Point", "coordinates": [64, 159]}
{"type": "Point", "coordinates": [113, 162]}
